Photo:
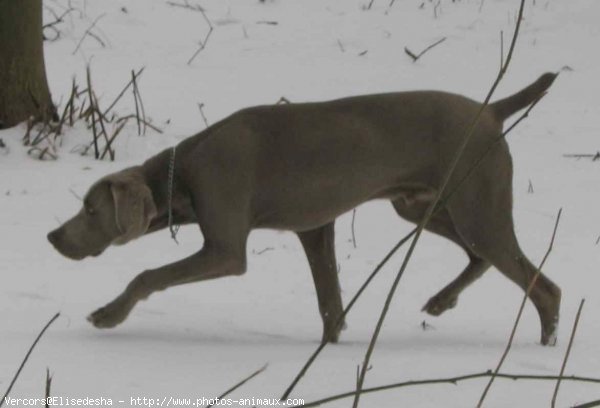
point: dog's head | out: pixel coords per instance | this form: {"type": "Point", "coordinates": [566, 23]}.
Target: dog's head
{"type": "Point", "coordinates": [116, 209]}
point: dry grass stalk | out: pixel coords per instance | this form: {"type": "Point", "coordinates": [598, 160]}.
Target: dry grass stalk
{"type": "Point", "coordinates": [125, 88]}
{"type": "Point", "coordinates": [567, 353]}
{"type": "Point", "coordinates": [47, 388]}
{"type": "Point", "coordinates": [35, 342]}
{"type": "Point", "coordinates": [239, 384]}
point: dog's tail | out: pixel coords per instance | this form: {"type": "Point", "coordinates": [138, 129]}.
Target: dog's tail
{"type": "Point", "coordinates": [506, 107]}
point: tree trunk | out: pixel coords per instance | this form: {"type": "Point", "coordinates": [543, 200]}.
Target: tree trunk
{"type": "Point", "coordinates": [23, 86]}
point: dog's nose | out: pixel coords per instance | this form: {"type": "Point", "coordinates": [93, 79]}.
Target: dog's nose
{"type": "Point", "coordinates": [54, 236]}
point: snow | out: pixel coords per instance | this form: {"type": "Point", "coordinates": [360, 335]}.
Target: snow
{"type": "Point", "coordinates": [198, 340]}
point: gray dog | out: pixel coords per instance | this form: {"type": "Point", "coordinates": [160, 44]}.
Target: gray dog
{"type": "Point", "coordinates": [299, 166]}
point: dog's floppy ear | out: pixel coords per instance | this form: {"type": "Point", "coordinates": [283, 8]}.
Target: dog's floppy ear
{"type": "Point", "coordinates": [134, 208]}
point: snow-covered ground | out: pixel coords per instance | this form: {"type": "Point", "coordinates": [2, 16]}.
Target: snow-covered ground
{"type": "Point", "coordinates": [197, 340]}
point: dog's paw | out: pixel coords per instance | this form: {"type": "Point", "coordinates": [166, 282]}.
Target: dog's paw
{"type": "Point", "coordinates": [439, 304]}
{"type": "Point", "coordinates": [109, 316]}
{"type": "Point", "coordinates": [550, 333]}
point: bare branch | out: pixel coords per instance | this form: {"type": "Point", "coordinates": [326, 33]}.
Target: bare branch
{"type": "Point", "coordinates": [205, 41]}
{"type": "Point", "coordinates": [454, 381]}
{"type": "Point", "coordinates": [415, 57]}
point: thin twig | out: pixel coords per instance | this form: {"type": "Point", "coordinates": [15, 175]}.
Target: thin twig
{"type": "Point", "coordinates": [107, 148]}
{"type": "Point", "coordinates": [501, 48]}
{"type": "Point", "coordinates": [200, 108]}
{"type": "Point", "coordinates": [48, 387]}
{"type": "Point", "coordinates": [146, 123]}
{"type": "Point", "coordinates": [453, 381]}
{"type": "Point", "coordinates": [137, 109]}
{"type": "Point", "coordinates": [520, 313]}
{"type": "Point", "coordinates": [568, 352]}
{"type": "Point", "coordinates": [138, 97]}
{"type": "Point", "coordinates": [91, 99]}
{"type": "Point", "coordinates": [137, 74]}
{"type": "Point", "coordinates": [262, 251]}
{"type": "Point", "coordinates": [594, 157]}
{"type": "Point", "coordinates": [429, 213]}
{"type": "Point", "coordinates": [400, 243]}
{"type": "Point", "coordinates": [77, 196]}
{"type": "Point", "coordinates": [415, 57]}
{"type": "Point", "coordinates": [436, 7]}
{"type": "Point", "coordinates": [87, 32]}
{"type": "Point", "coordinates": [185, 5]}
{"type": "Point", "coordinates": [57, 20]}
{"type": "Point", "coordinates": [35, 342]}
{"type": "Point", "coordinates": [238, 385]}
{"type": "Point", "coordinates": [97, 38]}
{"type": "Point", "coordinates": [205, 41]}
{"type": "Point", "coordinates": [590, 404]}
{"type": "Point", "coordinates": [101, 118]}
{"type": "Point", "coordinates": [352, 227]}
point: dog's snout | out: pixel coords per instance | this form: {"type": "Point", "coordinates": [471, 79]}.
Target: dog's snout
{"type": "Point", "coordinates": [54, 236]}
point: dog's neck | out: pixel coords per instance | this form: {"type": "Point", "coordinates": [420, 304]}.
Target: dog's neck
{"type": "Point", "coordinates": [166, 191]}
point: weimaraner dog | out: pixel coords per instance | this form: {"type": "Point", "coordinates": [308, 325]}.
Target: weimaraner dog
{"type": "Point", "coordinates": [299, 166]}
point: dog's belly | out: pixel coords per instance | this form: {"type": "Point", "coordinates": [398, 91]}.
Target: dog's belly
{"type": "Point", "coordinates": [317, 207]}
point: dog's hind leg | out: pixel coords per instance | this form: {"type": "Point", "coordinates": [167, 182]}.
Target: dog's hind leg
{"type": "Point", "coordinates": [482, 215]}
{"type": "Point", "coordinates": [442, 225]}
{"type": "Point", "coordinates": [447, 297]}
{"type": "Point", "coordinates": [319, 247]}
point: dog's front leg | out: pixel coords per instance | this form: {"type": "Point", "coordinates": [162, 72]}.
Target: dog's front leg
{"type": "Point", "coordinates": [319, 245]}
{"type": "Point", "coordinates": [208, 263]}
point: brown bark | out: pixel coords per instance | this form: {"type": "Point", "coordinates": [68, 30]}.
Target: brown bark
{"type": "Point", "coordinates": [24, 89]}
